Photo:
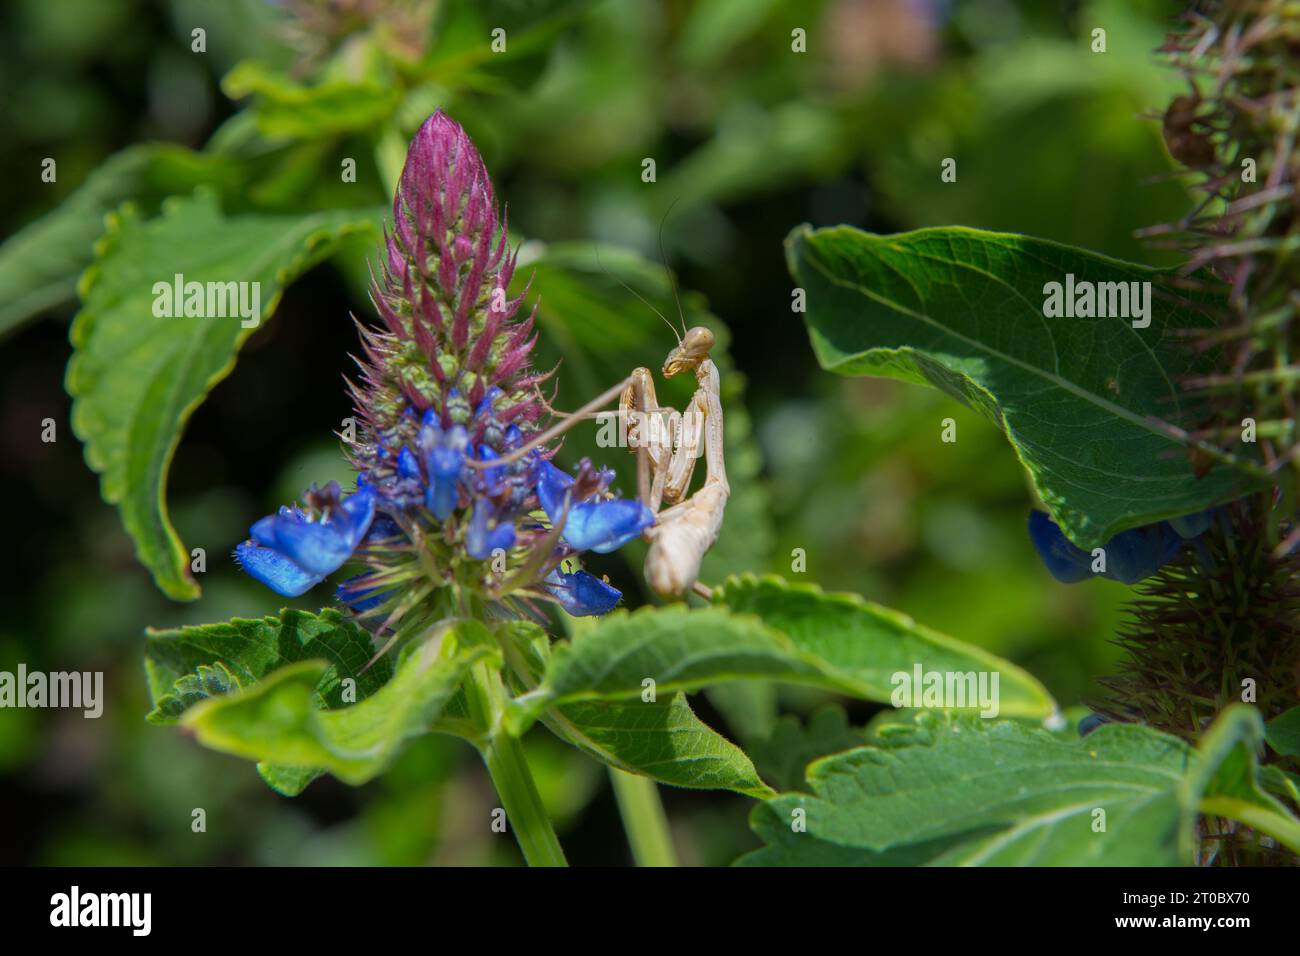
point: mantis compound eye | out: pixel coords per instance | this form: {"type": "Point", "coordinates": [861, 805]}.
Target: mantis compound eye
{"type": "Point", "coordinates": [698, 341]}
{"type": "Point", "coordinates": [693, 350]}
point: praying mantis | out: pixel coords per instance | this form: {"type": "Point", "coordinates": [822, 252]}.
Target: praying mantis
{"type": "Point", "coordinates": [684, 532]}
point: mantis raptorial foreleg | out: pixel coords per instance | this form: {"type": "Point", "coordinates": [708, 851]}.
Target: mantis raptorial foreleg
{"type": "Point", "coordinates": [640, 409]}
{"type": "Point", "coordinates": [684, 532]}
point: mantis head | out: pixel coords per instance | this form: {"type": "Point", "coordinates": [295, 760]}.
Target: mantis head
{"type": "Point", "coordinates": [690, 352]}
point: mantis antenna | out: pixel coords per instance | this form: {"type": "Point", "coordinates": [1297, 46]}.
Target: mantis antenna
{"type": "Point", "coordinates": [672, 282]}
{"type": "Point", "coordinates": [568, 421]}
{"type": "Point", "coordinates": [643, 299]}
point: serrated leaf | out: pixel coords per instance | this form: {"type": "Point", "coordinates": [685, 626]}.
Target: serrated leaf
{"type": "Point", "coordinates": [969, 791]}
{"type": "Point", "coordinates": [39, 265]}
{"type": "Point", "coordinates": [278, 720]}
{"type": "Point", "coordinates": [135, 379]}
{"type": "Point", "coordinates": [867, 645]}
{"type": "Point", "coordinates": [793, 744]}
{"type": "Point", "coordinates": [1080, 399]}
{"type": "Point", "coordinates": [661, 739]}
{"type": "Point", "coordinates": [287, 781]}
{"type": "Point", "coordinates": [188, 664]}
{"type": "Point", "coordinates": [762, 628]}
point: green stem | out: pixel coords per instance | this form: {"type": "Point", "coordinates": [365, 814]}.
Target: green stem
{"type": "Point", "coordinates": [508, 768]}
{"type": "Point", "coordinates": [643, 819]}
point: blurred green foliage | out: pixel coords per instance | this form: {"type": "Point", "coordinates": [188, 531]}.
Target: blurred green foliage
{"type": "Point", "coordinates": [749, 139]}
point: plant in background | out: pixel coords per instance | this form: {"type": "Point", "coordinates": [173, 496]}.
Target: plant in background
{"type": "Point", "coordinates": [1188, 427]}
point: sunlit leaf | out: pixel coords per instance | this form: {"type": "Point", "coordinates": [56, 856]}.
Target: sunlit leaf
{"type": "Point", "coordinates": [136, 378]}
{"type": "Point", "coordinates": [1087, 403]}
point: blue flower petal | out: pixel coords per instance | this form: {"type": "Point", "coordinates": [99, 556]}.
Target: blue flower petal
{"type": "Point", "coordinates": [552, 483]}
{"type": "Point", "coordinates": [1193, 525]}
{"type": "Point", "coordinates": [1066, 562]}
{"type": "Point", "coordinates": [444, 460]}
{"type": "Point", "coordinates": [319, 547]}
{"type": "Point", "coordinates": [493, 478]}
{"type": "Point", "coordinates": [264, 530]}
{"type": "Point", "coordinates": [480, 540]}
{"type": "Point", "coordinates": [582, 594]}
{"type": "Point", "coordinates": [383, 528]}
{"type": "Point", "coordinates": [604, 526]}
{"type": "Point", "coordinates": [1141, 552]}
{"type": "Point", "coordinates": [1130, 555]}
{"type": "Point", "coordinates": [1090, 723]}
{"type": "Point", "coordinates": [359, 598]}
{"type": "Point", "coordinates": [407, 466]}
{"type": "Point", "coordinates": [441, 495]}
{"type": "Point", "coordinates": [599, 526]}
{"type": "Point", "coordinates": [275, 570]}
{"type": "Point", "coordinates": [485, 404]}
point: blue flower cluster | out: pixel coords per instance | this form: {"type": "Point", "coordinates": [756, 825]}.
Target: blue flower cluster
{"type": "Point", "coordinates": [442, 483]}
{"type": "Point", "coordinates": [1130, 555]}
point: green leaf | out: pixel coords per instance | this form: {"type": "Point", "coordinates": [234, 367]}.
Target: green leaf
{"type": "Point", "coordinates": [135, 379]}
{"type": "Point", "coordinates": [279, 721]}
{"type": "Point", "coordinates": [1283, 733]}
{"type": "Point", "coordinates": [39, 264]}
{"type": "Point", "coordinates": [785, 755]}
{"type": "Point", "coordinates": [1281, 782]}
{"type": "Point", "coordinates": [1082, 400]}
{"type": "Point", "coordinates": [189, 664]}
{"type": "Point", "coordinates": [960, 790]}
{"type": "Point", "coordinates": [287, 781]}
{"type": "Point", "coordinates": [789, 633]}
{"type": "Point", "coordinates": [284, 107]}
{"type": "Point", "coordinates": [661, 739]}
{"type": "Point", "coordinates": [1227, 781]}
{"type": "Point", "coordinates": [868, 645]}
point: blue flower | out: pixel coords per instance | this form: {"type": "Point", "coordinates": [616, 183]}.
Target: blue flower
{"type": "Point", "coordinates": [1193, 525]}
{"type": "Point", "coordinates": [1090, 723]}
{"type": "Point", "coordinates": [592, 525]}
{"type": "Point", "coordinates": [1130, 555]}
{"type": "Point", "coordinates": [290, 551]}
{"type": "Point", "coordinates": [275, 570]}
{"type": "Point", "coordinates": [444, 460]}
{"type": "Point", "coordinates": [582, 594]}
{"type": "Point", "coordinates": [360, 595]}
{"type": "Point", "coordinates": [485, 535]}
{"type": "Point", "coordinates": [493, 478]}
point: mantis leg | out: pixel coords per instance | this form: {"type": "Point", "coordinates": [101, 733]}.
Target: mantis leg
{"type": "Point", "coordinates": [686, 531]}
{"type": "Point", "coordinates": [639, 406]}
{"type": "Point", "coordinates": [690, 431]}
